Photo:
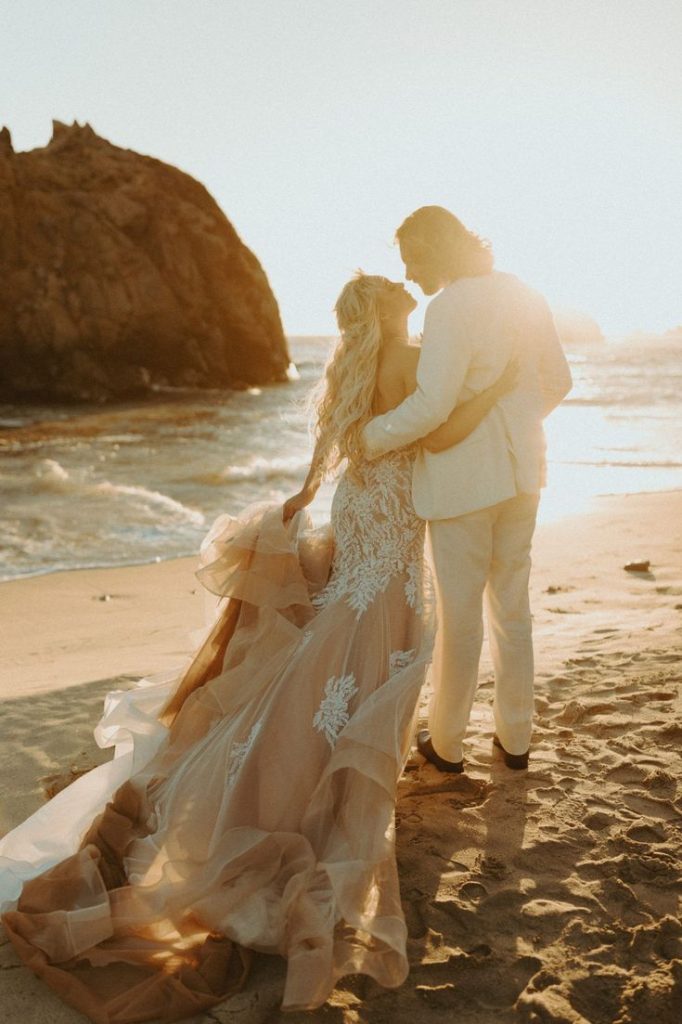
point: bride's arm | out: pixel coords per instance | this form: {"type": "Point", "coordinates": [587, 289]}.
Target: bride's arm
{"type": "Point", "coordinates": [310, 488]}
{"type": "Point", "coordinates": [466, 417]}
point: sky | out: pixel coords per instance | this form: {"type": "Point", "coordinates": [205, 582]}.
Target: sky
{"type": "Point", "coordinates": [551, 127]}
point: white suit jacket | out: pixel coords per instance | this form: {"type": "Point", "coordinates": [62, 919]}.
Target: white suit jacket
{"type": "Point", "coordinates": [472, 328]}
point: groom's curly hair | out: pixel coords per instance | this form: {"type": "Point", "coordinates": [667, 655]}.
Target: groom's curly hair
{"type": "Point", "coordinates": [452, 248]}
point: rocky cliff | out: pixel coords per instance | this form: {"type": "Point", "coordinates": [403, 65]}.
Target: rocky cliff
{"type": "Point", "coordinates": [119, 274]}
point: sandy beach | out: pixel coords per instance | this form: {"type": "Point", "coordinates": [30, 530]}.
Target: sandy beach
{"type": "Point", "coordinates": [546, 896]}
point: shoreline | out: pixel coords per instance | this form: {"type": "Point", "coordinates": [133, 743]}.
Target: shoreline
{"type": "Point", "coordinates": [140, 618]}
{"type": "Point", "coordinates": [588, 504]}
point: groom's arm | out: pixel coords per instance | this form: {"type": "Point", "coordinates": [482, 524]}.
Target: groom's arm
{"type": "Point", "coordinates": [443, 364]}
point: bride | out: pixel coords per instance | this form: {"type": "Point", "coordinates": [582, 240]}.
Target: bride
{"type": "Point", "coordinates": [249, 805]}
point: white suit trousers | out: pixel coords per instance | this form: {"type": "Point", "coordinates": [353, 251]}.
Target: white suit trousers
{"type": "Point", "coordinates": [483, 553]}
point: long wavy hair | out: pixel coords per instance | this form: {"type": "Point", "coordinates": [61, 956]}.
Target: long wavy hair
{"type": "Point", "coordinates": [452, 249]}
{"type": "Point", "coordinates": [342, 402]}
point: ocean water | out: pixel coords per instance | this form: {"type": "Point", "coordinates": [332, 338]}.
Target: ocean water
{"type": "Point", "coordinates": [137, 483]}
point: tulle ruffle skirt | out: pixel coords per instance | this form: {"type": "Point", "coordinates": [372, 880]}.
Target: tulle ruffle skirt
{"type": "Point", "coordinates": [249, 803]}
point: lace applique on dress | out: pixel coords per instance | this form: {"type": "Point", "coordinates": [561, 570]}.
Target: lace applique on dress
{"type": "Point", "coordinates": [239, 752]}
{"type": "Point", "coordinates": [399, 660]}
{"type": "Point", "coordinates": [377, 534]}
{"type": "Point", "coordinates": [332, 715]}
{"type": "Point", "coordinates": [414, 587]}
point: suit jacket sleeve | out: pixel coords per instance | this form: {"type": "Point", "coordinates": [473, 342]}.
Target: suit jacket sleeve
{"type": "Point", "coordinates": [443, 364]}
{"type": "Point", "coordinates": [554, 372]}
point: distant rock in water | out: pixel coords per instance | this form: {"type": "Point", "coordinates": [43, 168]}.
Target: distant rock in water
{"type": "Point", "coordinates": [577, 329]}
{"type": "Point", "coordinates": [120, 274]}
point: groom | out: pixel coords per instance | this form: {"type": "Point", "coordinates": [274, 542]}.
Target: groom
{"type": "Point", "coordinates": [481, 496]}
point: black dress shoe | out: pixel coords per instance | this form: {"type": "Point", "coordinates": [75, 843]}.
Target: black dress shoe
{"type": "Point", "coordinates": [517, 761]}
{"type": "Point", "coordinates": [425, 748]}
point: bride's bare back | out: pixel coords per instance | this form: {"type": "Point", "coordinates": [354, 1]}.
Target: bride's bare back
{"type": "Point", "coordinates": [396, 376]}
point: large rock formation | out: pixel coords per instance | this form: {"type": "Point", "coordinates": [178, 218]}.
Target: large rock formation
{"type": "Point", "coordinates": [119, 273]}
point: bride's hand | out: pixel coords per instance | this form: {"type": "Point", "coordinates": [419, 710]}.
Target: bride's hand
{"type": "Point", "coordinates": [508, 379]}
{"type": "Point", "coordinates": [296, 503]}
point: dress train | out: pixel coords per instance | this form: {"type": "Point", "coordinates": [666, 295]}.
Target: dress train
{"type": "Point", "coordinates": [249, 805]}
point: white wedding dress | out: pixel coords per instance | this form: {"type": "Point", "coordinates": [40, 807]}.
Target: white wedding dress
{"type": "Point", "coordinates": [249, 804]}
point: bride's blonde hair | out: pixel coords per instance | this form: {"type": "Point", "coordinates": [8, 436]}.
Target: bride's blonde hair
{"type": "Point", "coordinates": [342, 402]}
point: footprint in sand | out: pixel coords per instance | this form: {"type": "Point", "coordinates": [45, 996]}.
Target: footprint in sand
{"type": "Point", "coordinates": [646, 834]}
{"type": "Point", "coordinates": [623, 979]}
{"type": "Point", "coordinates": [672, 731]}
{"type": "Point", "coordinates": [571, 756]}
{"type": "Point", "coordinates": [461, 922]}
{"type": "Point", "coordinates": [621, 902]}
{"type": "Point", "coordinates": [576, 711]}
{"type": "Point", "coordinates": [560, 681]}
{"type": "Point", "coordinates": [597, 996]}
{"type": "Point", "coordinates": [651, 807]}
{"type": "Point", "coordinates": [541, 908]}
{"type": "Point", "coordinates": [659, 778]}
{"type": "Point", "coordinates": [549, 856]}
{"type": "Point", "coordinates": [650, 697]}
{"type": "Point", "coordinates": [462, 788]}
{"type": "Point", "coordinates": [653, 868]}
{"type": "Point", "coordinates": [480, 978]}
{"type": "Point", "coordinates": [573, 713]}
{"type": "Point", "coordinates": [656, 867]}
{"type": "Point", "coordinates": [474, 892]}
{"type": "Point", "coordinates": [597, 821]}
{"type": "Point", "coordinates": [611, 726]}
{"type": "Point", "coordinates": [551, 795]}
